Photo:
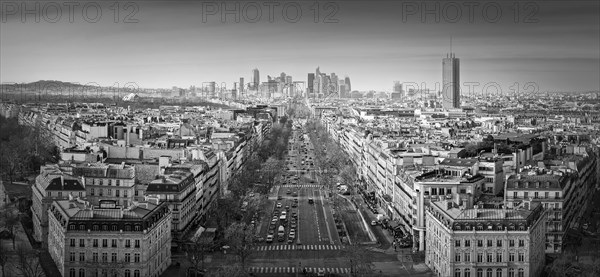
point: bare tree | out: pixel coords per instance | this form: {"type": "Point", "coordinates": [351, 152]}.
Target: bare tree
{"type": "Point", "coordinates": [10, 215]}
{"type": "Point", "coordinates": [359, 261]}
{"type": "Point", "coordinates": [229, 271]}
{"type": "Point", "coordinates": [3, 259]}
{"type": "Point", "coordinates": [28, 263]}
{"type": "Point", "coordinates": [240, 237]}
{"type": "Point", "coordinates": [196, 252]}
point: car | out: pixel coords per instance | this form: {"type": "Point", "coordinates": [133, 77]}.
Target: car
{"type": "Point", "coordinates": [321, 272]}
{"type": "Point", "coordinates": [373, 223]}
{"type": "Point", "coordinates": [281, 238]}
{"type": "Point", "coordinates": [269, 238]}
{"type": "Point", "coordinates": [294, 205]}
{"type": "Point", "coordinates": [290, 240]}
{"type": "Point", "coordinates": [287, 208]}
{"type": "Point", "coordinates": [279, 197]}
{"type": "Point", "coordinates": [288, 192]}
{"type": "Point", "coordinates": [271, 231]}
{"type": "Point", "coordinates": [295, 214]}
{"type": "Point", "coordinates": [310, 201]}
{"type": "Point", "coordinates": [293, 225]}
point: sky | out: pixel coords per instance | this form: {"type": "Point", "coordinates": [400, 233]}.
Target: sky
{"type": "Point", "coordinates": [554, 45]}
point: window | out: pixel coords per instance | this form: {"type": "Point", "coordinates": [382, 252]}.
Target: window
{"type": "Point", "coordinates": [557, 195]}
{"type": "Point", "coordinates": [81, 243]}
{"type": "Point", "coordinates": [434, 191]}
{"type": "Point", "coordinates": [113, 257]}
{"type": "Point", "coordinates": [95, 257]}
{"type": "Point", "coordinates": [457, 257]}
{"type": "Point", "coordinates": [117, 183]}
{"type": "Point", "coordinates": [135, 192]}
{"type": "Point", "coordinates": [479, 272]}
{"type": "Point", "coordinates": [127, 273]}
{"type": "Point", "coordinates": [467, 272]}
{"type": "Point", "coordinates": [137, 243]}
{"type": "Point", "coordinates": [467, 243]}
{"type": "Point", "coordinates": [72, 257]}
{"type": "Point", "coordinates": [92, 192]}
{"type": "Point", "coordinates": [49, 194]}
{"type": "Point", "coordinates": [457, 243]}
{"type": "Point", "coordinates": [511, 272]}
{"type": "Point", "coordinates": [511, 243]}
{"type": "Point", "coordinates": [101, 192]}
{"type": "Point", "coordinates": [467, 257]}
{"type": "Point", "coordinates": [95, 228]}
{"type": "Point", "coordinates": [499, 243]}
{"type": "Point", "coordinates": [81, 272]}
{"type": "Point", "coordinates": [72, 272]}
{"type": "Point", "coordinates": [127, 257]}
{"type": "Point", "coordinates": [104, 242]}
{"type": "Point", "coordinates": [515, 194]}
{"type": "Point", "coordinates": [521, 257]}
{"type": "Point", "coordinates": [489, 243]}
{"type": "Point", "coordinates": [114, 243]}
{"type": "Point", "coordinates": [521, 272]}
{"type": "Point", "coordinates": [82, 256]}
{"type": "Point", "coordinates": [521, 243]}
{"type": "Point", "coordinates": [118, 193]}
{"type": "Point", "coordinates": [60, 194]}
{"type": "Point", "coordinates": [526, 195]}
{"type": "Point", "coordinates": [72, 243]}
{"type": "Point", "coordinates": [110, 182]}
{"type": "Point", "coordinates": [457, 272]}
{"type": "Point", "coordinates": [109, 192]}
{"type": "Point", "coordinates": [489, 258]}
{"type": "Point", "coordinates": [95, 242]}
{"type": "Point", "coordinates": [136, 273]}
{"type": "Point", "coordinates": [479, 257]}
{"type": "Point", "coordinates": [136, 257]}
{"type": "Point", "coordinates": [536, 195]}
{"type": "Point", "coordinates": [125, 193]}
{"type": "Point", "coordinates": [480, 243]}
{"type": "Point", "coordinates": [489, 272]}
{"type": "Point", "coordinates": [104, 257]}
{"type": "Point", "coordinates": [511, 257]}
{"type": "Point", "coordinates": [127, 243]}
{"type": "Point", "coordinates": [499, 257]}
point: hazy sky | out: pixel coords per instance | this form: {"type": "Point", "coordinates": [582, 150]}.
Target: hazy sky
{"type": "Point", "coordinates": [554, 44]}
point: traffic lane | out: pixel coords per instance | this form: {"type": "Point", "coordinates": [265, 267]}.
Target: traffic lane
{"type": "Point", "coordinates": [377, 230]}
{"type": "Point", "coordinates": [322, 223]}
{"type": "Point", "coordinates": [335, 238]}
{"type": "Point", "coordinates": [308, 232]}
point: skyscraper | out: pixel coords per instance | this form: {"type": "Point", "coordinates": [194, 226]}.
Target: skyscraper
{"type": "Point", "coordinates": [311, 80]}
{"type": "Point", "coordinates": [241, 86]}
{"type": "Point", "coordinates": [348, 86]}
{"type": "Point", "coordinates": [450, 82]}
{"type": "Point", "coordinates": [397, 92]}
{"type": "Point", "coordinates": [256, 78]}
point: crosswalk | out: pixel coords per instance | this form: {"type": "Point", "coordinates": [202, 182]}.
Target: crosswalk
{"type": "Point", "coordinates": [291, 269]}
{"type": "Point", "coordinates": [283, 247]}
{"type": "Point", "coordinates": [302, 186]}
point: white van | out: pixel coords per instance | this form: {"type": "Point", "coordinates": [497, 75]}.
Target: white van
{"type": "Point", "coordinates": [281, 231]}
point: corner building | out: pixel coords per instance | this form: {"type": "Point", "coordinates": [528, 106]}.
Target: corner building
{"type": "Point", "coordinates": [482, 242]}
{"type": "Point", "coordinates": [109, 240]}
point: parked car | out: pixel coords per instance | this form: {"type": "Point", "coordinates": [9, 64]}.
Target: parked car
{"type": "Point", "coordinates": [269, 238]}
{"type": "Point", "coordinates": [373, 222]}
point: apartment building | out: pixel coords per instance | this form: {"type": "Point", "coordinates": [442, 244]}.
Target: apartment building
{"type": "Point", "coordinates": [107, 182]}
{"type": "Point", "coordinates": [478, 242]}
{"type": "Point", "coordinates": [109, 240]}
{"type": "Point", "coordinates": [564, 186]}
{"type": "Point", "coordinates": [176, 188]}
{"type": "Point", "coordinates": [51, 185]}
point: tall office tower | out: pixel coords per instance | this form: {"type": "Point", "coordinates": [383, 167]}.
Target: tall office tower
{"type": "Point", "coordinates": [342, 87]}
{"type": "Point", "coordinates": [311, 85]}
{"type": "Point", "coordinates": [334, 88]}
{"type": "Point", "coordinates": [348, 86]}
{"type": "Point", "coordinates": [290, 85]}
{"type": "Point", "coordinates": [241, 86]}
{"type": "Point", "coordinates": [397, 92]}
{"type": "Point", "coordinates": [451, 82]}
{"type": "Point", "coordinates": [256, 78]}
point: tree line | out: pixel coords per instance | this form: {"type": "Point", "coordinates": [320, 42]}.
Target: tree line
{"type": "Point", "coordinates": [23, 149]}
